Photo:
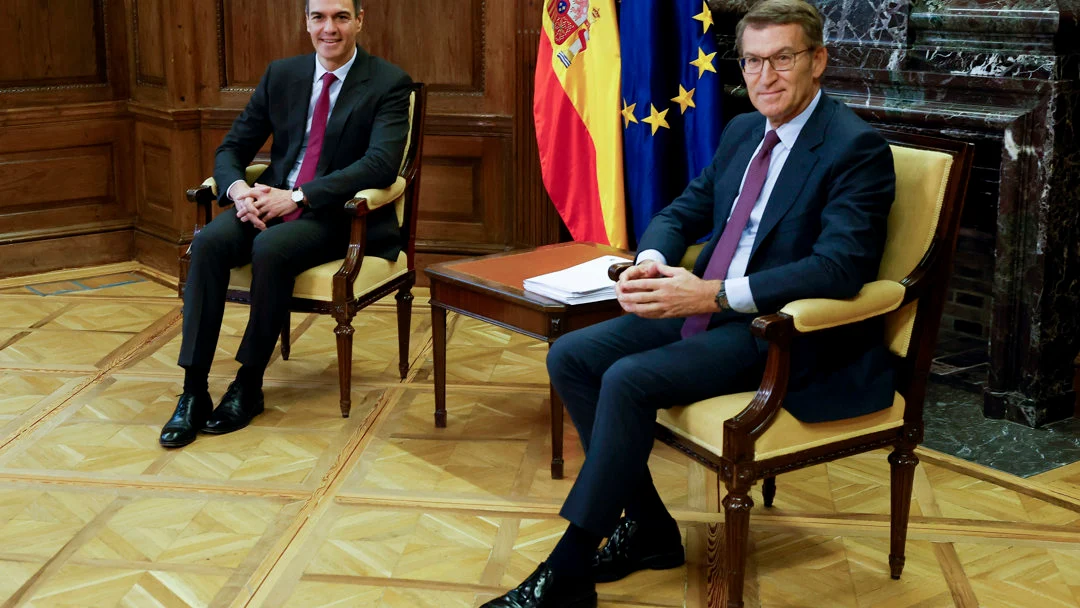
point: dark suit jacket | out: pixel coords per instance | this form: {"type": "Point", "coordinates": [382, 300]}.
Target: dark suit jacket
{"type": "Point", "coordinates": [821, 236]}
{"type": "Point", "coordinates": [364, 142]}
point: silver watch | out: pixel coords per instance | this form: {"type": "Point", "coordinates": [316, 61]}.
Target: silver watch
{"type": "Point", "coordinates": [721, 297]}
{"type": "Point", "coordinates": [298, 197]}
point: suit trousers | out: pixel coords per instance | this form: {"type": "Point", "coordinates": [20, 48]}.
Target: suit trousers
{"type": "Point", "coordinates": [277, 255]}
{"type": "Point", "coordinates": [615, 375]}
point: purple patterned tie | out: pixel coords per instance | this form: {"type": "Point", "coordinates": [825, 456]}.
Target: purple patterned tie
{"type": "Point", "coordinates": [315, 140]}
{"type": "Point", "coordinates": [729, 240]}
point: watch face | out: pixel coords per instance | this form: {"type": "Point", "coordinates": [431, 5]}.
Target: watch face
{"type": "Point", "coordinates": [297, 196]}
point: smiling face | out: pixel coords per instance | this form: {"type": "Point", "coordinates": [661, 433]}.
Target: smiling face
{"type": "Point", "coordinates": [781, 96]}
{"type": "Point", "coordinates": [333, 26]}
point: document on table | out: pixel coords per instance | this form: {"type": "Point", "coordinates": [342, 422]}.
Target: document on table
{"type": "Point", "coordinates": [586, 282]}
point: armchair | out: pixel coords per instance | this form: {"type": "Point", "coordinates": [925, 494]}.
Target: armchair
{"type": "Point", "coordinates": [343, 287]}
{"type": "Point", "coordinates": [750, 436]}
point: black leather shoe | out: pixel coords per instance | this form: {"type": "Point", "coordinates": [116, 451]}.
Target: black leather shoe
{"type": "Point", "coordinates": [190, 415]}
{"type": "Point", "coordinates": [544, 589]}
{"type": "Point", "coordinates": [237, 408]}
{"type": "Point", "coordinates": [627, 552]}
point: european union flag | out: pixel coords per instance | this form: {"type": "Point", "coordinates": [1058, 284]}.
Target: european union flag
{"type": "Point", "coordinates": [671, 101]}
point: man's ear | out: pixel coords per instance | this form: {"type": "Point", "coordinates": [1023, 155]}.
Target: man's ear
{"type": "Point", "coordinates": [821, 59]}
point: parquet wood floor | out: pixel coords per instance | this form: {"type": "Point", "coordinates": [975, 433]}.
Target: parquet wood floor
{"type": "Point", "coordinates": [306, 509]}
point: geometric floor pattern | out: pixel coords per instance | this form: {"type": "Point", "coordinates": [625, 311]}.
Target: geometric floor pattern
{"type": "Point", "coordinates": [306, 509]}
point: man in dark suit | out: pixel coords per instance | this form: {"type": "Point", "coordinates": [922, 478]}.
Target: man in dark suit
{"type": "Point", "coordinates": [339, 121]}
{"type": "Point", "coordinates": [797, 198]}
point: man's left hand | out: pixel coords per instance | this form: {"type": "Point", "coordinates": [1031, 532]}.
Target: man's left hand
{"type": "Point", "coordinates": [676, 293]}
{"type": "Point", "coordinates": [272, 202]}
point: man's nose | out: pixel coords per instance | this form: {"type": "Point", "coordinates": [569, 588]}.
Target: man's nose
{"type": "Point", "coordinates": [768, 74]}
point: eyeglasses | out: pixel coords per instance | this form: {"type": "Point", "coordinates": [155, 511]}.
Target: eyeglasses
{"type": "Point", "coordinates": [780, 62]}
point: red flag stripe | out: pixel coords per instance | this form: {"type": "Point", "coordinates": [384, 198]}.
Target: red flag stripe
{"type": "Point", "coordinates": [570, 178]}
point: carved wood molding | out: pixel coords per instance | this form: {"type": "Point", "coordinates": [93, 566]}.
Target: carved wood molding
{"type": "Point", "coordinates": [40, 234]}
{"type": "Point", "coordinates": [17, 117]}
{"type": "Point", "coordinates": [101, 52]}
{"type": "Point", "coordinates": [474, 125]}
{"type": "Point", "coordinates": [183, 119]}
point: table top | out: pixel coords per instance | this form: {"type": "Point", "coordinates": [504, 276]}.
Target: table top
{"type": "Point", "coordinates": [503, 274]}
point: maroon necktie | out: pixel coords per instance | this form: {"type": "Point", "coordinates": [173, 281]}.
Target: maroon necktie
{"type": "Point", "coordinates": [729, 239]}
{"type": "Point", "coordinates": [315, 140]}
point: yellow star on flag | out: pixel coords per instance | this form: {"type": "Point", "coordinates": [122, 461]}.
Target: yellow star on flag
{"type": "Point", "coordinates": [703, 63]}
{"type": "Point", "coordinates": [685, 99]}
{"type": "Point", "coordinates": [705, 16]}
{"type": "Point", "coordinates": [656, 119]}
{"type": "Point", "coordinates": [628, 114]}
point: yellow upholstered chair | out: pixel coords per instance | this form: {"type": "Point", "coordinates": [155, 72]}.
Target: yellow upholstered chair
{"type": "Point", "coordinates": [342, 287]}
{"type": "Point", "coordinates": [750, 436]}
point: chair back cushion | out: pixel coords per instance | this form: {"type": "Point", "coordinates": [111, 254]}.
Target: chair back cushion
{"type": "Point", "coordinates": [399, 204]}
{"type": "Point", "coordinates": [921, 180]}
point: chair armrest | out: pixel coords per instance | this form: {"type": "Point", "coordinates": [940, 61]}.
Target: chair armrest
{"type": "Point", "coordinates": [876, 298]}
{"type": "Point", "coordinates": [363, 203]}
{"type": "Point", "coordinates": [203, 194]}
{"type": "Point", "coordinates": [373, 198]}
{"type": "Point", "coordinates": [207, 192]}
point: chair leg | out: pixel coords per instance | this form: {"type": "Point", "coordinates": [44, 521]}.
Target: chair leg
{"type": "Point", "coordinates": [404, 299]}
{"type": "Point", "coordinates": [344, 333]}
{"type": "Point", "coordinates": [737, 505]}
{"type": "Point", "coordinates": [903, 461]}
{"type": "Point", "coordinates": [285, 346]}
{"type": "Point", "coordinates": [768, 491]}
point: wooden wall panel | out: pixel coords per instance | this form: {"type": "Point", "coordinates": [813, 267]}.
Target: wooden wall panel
{"type": "Point", "coordinates": [149, 42]}
{"type": "Point", "coordinates": [72, 251]}
{"type": "Point", "coordinates": [167, 77]}
{"type": "Point", "coordinates": [166, 164]}
{"type": "Point", "coordinates": [463, 195]}
{"type": "Point", "coordinates": [253, 32]}
{"type": "Point", "coordinates": [55, 178]}
{"type": "Point", "coordinates": [449, 56]}
{"type": "Point", "coordinates": [40, 48]}
{"type": "Point", "coordinates": [50, 177]}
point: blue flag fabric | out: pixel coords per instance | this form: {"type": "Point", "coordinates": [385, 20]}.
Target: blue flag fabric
{"type": "Point", "coordinates": [671, 101]}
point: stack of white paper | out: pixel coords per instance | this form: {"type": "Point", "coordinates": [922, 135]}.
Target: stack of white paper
{"type": "Point", "coordinates": [586, 282]}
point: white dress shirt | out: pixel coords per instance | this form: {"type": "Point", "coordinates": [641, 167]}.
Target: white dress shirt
{"type": "Point", "coordinates": [316, 90]}
{"type": "Point", "coordinates": [736, 283]}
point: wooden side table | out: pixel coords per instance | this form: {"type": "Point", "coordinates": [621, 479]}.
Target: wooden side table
{"type": "Point", "coordinates": [490, 289]}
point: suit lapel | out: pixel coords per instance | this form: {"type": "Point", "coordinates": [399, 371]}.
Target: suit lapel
{"type": "Point", "coordinates": [299, 92]}
{"type": "Point", "coordinates": [792, 178]}
{"type": "Point", "coordinates": [732, 180]}
{"type": "Point", "coordinates": [346, 101]}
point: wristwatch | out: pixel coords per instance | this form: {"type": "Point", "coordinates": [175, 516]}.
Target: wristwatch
{"type": "Point", "coordinates": [298, 197]}
{"type": "Point", "coordinates": [721, 298]}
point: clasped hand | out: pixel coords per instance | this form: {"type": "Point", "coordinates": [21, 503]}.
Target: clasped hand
{"type": "Point", "coordinates": [261, 204]}
{"type": "Point", "coordinates": [658, 291]}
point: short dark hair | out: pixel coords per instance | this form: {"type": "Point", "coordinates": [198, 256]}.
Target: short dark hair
{"type": "Point", "coordinates": [355, 4]}
{"type": "Point", "coordinates": [782, 12]}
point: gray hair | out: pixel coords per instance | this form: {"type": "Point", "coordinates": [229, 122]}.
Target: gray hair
{"type": "Point", "coordinates": [782, 12]}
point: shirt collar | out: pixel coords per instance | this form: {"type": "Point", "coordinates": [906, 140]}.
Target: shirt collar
{"type": "Point", "coordinates": [789, 131]}
{"type": "Point", "coordinates": [341, 72]}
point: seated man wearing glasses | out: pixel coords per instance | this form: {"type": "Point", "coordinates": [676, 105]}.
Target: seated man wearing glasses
{"type": "Point", "coordinates": [797, 199]}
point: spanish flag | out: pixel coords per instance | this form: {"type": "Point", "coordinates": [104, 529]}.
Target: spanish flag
{"type": "Point", "coordinates": [578, 119]}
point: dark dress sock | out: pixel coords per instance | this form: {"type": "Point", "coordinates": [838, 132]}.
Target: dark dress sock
{"type": "Point", "coordinates": [573, 555]}
{"type": "Point", "coordinates": [648, 510]}
{"type": "Point", "coordinates": [250, 377]}
{"type": "Point", "coordinates": [196, 380]}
